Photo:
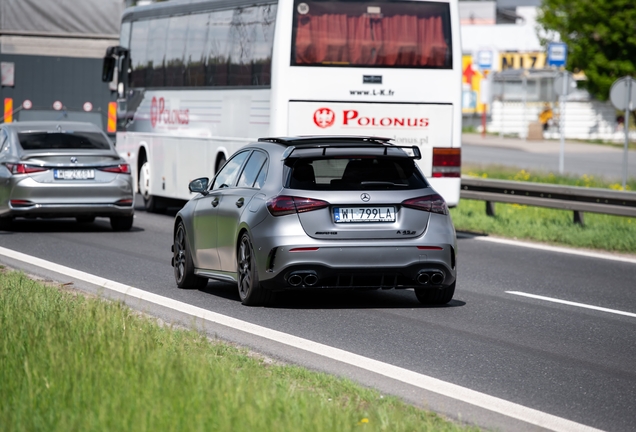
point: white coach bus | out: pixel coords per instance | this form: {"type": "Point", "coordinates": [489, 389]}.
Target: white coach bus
{"type": "Point", "coordinates": [197, 79]}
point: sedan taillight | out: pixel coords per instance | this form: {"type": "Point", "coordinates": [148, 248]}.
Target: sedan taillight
{"type": "Point", "coordinates": [284, 205]}
{"type": "Point", "coordinates": [118, 169]}
{"type": "Point", "coordinates": [430, 203]}
{"type": "Point", "coordinates": [20, 168]}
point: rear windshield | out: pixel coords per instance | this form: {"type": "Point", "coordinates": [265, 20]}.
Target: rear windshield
{"type": "Point", "coordinates": [385, 33]}
{"type": "Point", "coordinates": [63, 140]}
{"type": "Point", "coordinates": [354, 173]}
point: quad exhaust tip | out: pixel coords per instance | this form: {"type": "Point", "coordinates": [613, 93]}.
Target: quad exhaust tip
{"type": "Point", "coordinates": [432, 277]}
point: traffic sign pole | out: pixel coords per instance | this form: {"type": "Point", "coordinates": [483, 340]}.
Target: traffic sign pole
{"type": "Point", "coordinates": [628, 103]}
{"type": "Point", "coordinates": [562, 122]}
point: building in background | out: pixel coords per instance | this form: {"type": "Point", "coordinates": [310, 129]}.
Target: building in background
{"type": "Point", "coordinates": [51, 53]}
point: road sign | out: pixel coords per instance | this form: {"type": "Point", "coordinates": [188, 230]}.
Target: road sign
{"type": "Point", "coordinates": [484, 60]}
{"type": "Point", "coordinates": [88, 107]}
{"type": "Point", "coordinates": [564, 88]}
{"type": "Point", "coordinates": [557, 54]}
{"type": "Point", "coordinates": [618, 94]}
{"type": "Point", "coordinates": [57, 105]}
{"type": "Point", "coordinates": [27, 104]}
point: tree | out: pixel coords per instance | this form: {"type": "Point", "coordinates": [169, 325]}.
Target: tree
{"type": "Point", "coordinates": [600, 35]}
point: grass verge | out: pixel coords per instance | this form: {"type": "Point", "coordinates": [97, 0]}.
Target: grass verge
{"type": "Point", "coordinates": [75, 363]}
{"type": "Point", "coordinates": [612, 233]}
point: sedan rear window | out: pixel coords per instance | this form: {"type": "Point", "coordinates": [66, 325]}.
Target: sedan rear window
{"type": "Point", "coordinates": [63, 140]}
{"type": "Point", "coordinates": [354, 173]}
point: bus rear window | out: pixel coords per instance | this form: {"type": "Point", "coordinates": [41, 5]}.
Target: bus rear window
{"type": "Point", "coordinates": [413, 34]}
{"type": "Point", "coordinates": [63, 140]}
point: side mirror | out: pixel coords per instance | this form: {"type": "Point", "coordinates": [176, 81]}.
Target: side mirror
{"type": "Point", "coordinates": [108, 69]}
{"type": "Point", "coordinates": [199, 185]}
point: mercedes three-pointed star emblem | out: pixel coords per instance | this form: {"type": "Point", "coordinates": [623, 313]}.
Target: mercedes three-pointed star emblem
{"type": "Point", "coordinates": [365, 197]}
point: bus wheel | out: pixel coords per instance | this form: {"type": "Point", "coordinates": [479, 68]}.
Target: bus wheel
{"type": "Point", "coordinates": [219, 164]}
{"type": "Point", "coordinates": [150, 201]}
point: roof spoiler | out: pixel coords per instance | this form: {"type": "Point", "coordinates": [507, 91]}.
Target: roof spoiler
{"type": "Point", "coordinates": [414, 150]}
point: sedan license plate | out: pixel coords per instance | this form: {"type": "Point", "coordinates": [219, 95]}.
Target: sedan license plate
{"type": "Point", "coordinates": [74, 174]}
{"type": "Point", "coordinates": [363, 214]}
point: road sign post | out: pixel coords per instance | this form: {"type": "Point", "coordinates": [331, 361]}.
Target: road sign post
{"type": "Point", "coordinates": [623, 97]}
{"type": "Point", "coordinates": [563, 86]}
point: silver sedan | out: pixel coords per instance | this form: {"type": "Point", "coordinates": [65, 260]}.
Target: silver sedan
{"type": "Point", "coordinates": [63, 169]}
{"type": "Point", "coordinates": [319, 213]}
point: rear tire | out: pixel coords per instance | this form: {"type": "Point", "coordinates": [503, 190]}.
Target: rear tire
{"type": "Point", "coordinates": [219, 164]}
{"type": "Point", "coordinates": [121, 223]}
{"type": "Point", "coordinates": [250, 290]}
{"type": "Point", "coordinates": [85, 219]}
{"type": "Point", "coordinates": [182, 262]}
{"type": "Point", "coordinates": [5, 223]}
{"type": "Point", "coordinates": [434, 296]}
{"type": "Point", "coordinates": [151, 202]}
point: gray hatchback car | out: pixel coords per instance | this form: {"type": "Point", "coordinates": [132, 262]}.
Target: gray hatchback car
{"type": "Point", "coordinates": [63, 169]}
{"type": "Point", "coordinates": [317, 212]}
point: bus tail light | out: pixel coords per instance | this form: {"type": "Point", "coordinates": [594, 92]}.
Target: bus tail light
{"type": "Point", "coordinates": [429, 203]}
{"type": "Point", "coordinates": [284, 205]}
{"type": "Point", "coordinates": [447, 162]}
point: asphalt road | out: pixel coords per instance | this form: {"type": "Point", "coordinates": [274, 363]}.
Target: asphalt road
{"type": "Point", "coordinates": [572, 362]}
{"type": "Point", "coordinates": [590, 159]}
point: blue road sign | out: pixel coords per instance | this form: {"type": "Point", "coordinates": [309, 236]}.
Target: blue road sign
{"type": "Point", "coordinates": [557, 54]}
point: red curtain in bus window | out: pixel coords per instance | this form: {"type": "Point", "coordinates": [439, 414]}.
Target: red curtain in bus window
{"type": "Point", "coordinates": [432, 46]}
{"type": "Point", "coordinates": [363, 34]}
{"type": "Point", "coordinates": [400, 41]}
{"type": "Point", "coordinates": [322, 39]}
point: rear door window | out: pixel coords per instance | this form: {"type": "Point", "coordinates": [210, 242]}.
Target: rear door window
{"type": "Point", "coordinates": [354, 173]}
{"type": "Point", "coordinates": [63, 140]}
{"type": "Point", "coordinates": [252, 169]}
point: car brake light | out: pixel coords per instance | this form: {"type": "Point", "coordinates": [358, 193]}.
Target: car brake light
{"type": "Point", "coordinates": [20, 203]}
{"type": "Point", "coordinates": [20, 168]}
{"type": "Point", "coordinates": [119, 169]}
{"type": "Point", "coordinates": [430, 203]}
{"type": "Point", "coordinates": [284, 205]}
{"type": "Point", "coordinates": [447, 162]}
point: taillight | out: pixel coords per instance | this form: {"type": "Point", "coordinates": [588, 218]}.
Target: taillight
{"type": "Point", "coordinates": [283, 205]}
{"type": "Point", "coordinates": [118, 169]}
{"type": "Point", "coordinates": [447, 162]}
{"type": "Point", "coordinates": [20, 168]}
{"type": "Point", "coordinates": [430, 203]}
{"type": "Point", "coordinates": [124, 202]}
{"type": "Point", "coordinates": [20, 203]}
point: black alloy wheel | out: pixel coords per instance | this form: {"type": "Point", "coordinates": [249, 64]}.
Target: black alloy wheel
{"type": "Point", "coordinates": [249, 287]}
{"type": "Point", "coordinates": [183, 264]}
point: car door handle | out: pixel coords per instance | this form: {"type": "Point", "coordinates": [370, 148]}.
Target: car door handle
{"type": "Point", "coordinates": [215, 202]}
{"type": "Point", "coordinates": [240, 202]}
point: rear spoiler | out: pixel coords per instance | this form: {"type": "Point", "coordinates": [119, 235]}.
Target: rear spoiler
{"type": "Point", "coordinates": [414, 150]}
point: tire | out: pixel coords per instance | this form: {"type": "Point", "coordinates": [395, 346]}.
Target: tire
{"type": "Point", "coordinates": [5, 223]}
{"type": "Point", "coordinates": [151, 202]}
{"type": "Point", "coordinates": [85, 219]}
{"type": "Point", "coordinates": [219, 164]}
{"type": "Point", "coordinates": [434, 296]}
{"type": "Point", "coordinates": [182, 262]}
{"type": "Point", "coordinates": [250, 290]}
{"type": "Point", "coordinates": [121, 223]}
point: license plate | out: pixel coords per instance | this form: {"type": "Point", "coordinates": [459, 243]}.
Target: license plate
{"type": "Point", "coordinates": [74, 174]}
{"type": "Point", "coordinates": [363, 214]}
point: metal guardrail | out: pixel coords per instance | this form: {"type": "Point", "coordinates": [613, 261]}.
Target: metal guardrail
{"type": "Point", "coordinates": [577, 199]}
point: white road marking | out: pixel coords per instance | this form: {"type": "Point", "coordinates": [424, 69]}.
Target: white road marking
{"type": "Point", "coordinates": [569, 303]}
{"type": "Point", "coordinates": [571, 251]}
{"type": "Point", "coordinates": [424, 382]}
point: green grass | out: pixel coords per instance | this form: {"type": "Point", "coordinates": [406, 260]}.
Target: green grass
{"type": "Point", "coordinates": [70, 363]}
{"type": "Point", "coordinates": [612, 233]}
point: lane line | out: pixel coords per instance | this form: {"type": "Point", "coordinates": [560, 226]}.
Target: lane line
{"type": "Point", "coordinates": [570, 303]}
{"type": "Point", "coordinates": [424, 382]}
{"type": "Point", "coordinates": [565, 250]}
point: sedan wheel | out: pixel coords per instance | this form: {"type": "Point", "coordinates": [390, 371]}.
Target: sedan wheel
{"type": "Point", "coordinates": [249, 287]}
{"type": "Point", "coordinates": [182, 262]}
{"type": "Point", "coordinates": [433, 296]}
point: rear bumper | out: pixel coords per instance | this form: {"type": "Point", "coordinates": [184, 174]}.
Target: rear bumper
{"type": "Point", "coordinates": [70, 210]}
{"type": "Point", "coordinates": [311, 275]}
